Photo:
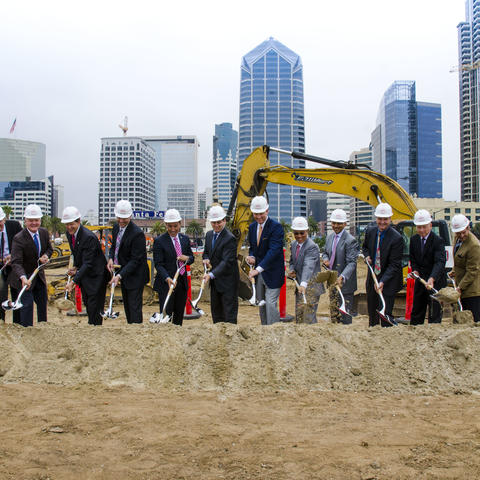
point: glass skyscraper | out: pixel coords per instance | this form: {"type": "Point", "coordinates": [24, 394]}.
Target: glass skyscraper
{"type": "Point", "coordinates": [469, 89]}
{"type": "Point", "coordinates": [272, 113]}
{"type": "Point", "coordinates": [407, 141]}
{"type": "Point", "coordinates": [225, 159]}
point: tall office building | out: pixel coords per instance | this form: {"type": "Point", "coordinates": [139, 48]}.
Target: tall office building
{"type": "Point", "coordinates": [205, 200]}
{"type": "Point", "coordinates": [176, 173]}
{"type": "Point", "coordinates": [361, 213]}
{"type": "Point", "coordinates": [272, 113]}
{"type": "Point", "coordinates": [225, 159]}
{"type": "Point", "coordinates": [469, 89]}
{"type": "Point", "coordinates": [407, 141]}
{"type": "Point", "coordinates": [127, 172]}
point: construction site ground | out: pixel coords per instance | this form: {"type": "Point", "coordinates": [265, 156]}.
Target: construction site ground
{"type": "Point", "coordinates": [205, 401]}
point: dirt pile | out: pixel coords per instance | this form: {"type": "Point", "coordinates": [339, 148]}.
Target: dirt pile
{"type": "Point", "coordinates": [286, 357]}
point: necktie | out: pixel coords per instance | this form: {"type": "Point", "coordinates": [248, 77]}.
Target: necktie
{"type": "Point", "coordinates": [259, 234]}
{"type": "Point", "coordinates": [334, 251]}
{"type": "Point", "coordinates": [457, 246]}
{"type": "Point", "coordinates": [178, 250]}
{"type": "Point", "coordinates": [378, 265]}
{"type": "Point", "coordinates": [117, 246]}
{"type": "Point", "coordinates": [423, 244]}
{"type": "Point", "coordinates": [73, 241]}
{"type": "Point", "coordinates": [37, 242]}
{"type": "Point", "coordinates": [297, 250]}
{"type": "Point", "coordinates": [215, 236]}
{"type": "Point", "coordinates": [2, 246]}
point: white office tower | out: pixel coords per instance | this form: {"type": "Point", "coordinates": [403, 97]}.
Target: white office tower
{"type": "Point", "coordinates": [176, 170]}
{"type": "Point", "coordinates": [21, 160]}
{"type": "Point", "coordinates": [334, 201]}
{"type": "Point", "coordinates": [127, 171]}
{"type": "Point", "coordinates": [58, 201]}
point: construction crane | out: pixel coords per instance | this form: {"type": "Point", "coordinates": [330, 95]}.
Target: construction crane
{"type": "Point", "coordinates": [465, 67]}
{"type": "Point", "coordinates": [124, 127]}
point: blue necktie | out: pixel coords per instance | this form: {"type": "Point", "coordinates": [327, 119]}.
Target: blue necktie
{"type": "Point", "coordinates": [215, 236]}
{"type": "Point", "coordinates": [37, 243]}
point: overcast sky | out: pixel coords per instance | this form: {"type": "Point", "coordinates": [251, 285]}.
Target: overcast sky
{"type": "Point", "coordinates": [71, 71]}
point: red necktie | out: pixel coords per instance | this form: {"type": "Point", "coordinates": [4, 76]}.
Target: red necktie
{"type": "Point", "coordinates": [298, 250]}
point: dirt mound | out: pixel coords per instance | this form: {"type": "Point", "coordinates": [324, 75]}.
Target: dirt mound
{"type": "Point", "coordinates": [287, 357]}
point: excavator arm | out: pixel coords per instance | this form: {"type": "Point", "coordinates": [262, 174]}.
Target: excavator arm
{"type": "Point", "coordinates": [344, 178]}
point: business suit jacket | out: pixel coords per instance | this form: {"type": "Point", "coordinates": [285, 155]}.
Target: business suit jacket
{"type": "Point", "coordinates": [346, 254]}
{"type": "Point", "coordinates": [223, 259]}
{"type": "Point", "coordinates": [165, 259]}
{"type": "Point", "coordinates": [132, 256]}
{"type": "Point", "coordinates": [391, 251]}
{"type": "Point", "coordinates": [92, 273]}
{"type": "Point", "coordinates": [467, 267]}
{"type": "Point", "coordinates": [307, 263]}
{"type": "Point", "coordinates": [430, 263]}
{"type": "Point", "coordinates": [13, 227]}
{"type": "Point", "coordinates": [269, 252]}
{"type": "Point", "coordinates": [25, 256]}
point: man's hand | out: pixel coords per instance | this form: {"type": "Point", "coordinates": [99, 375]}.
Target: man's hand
{"type": "Point", "coordinates": [430, 283]}
{"type": "Point", "coordinates": [302, 290]}
{"type": "Point", "coordinates": [250, 260]}
{"type": "Point", "coordinates": [292, 274]}
{"type": "Point", "coordinates": [110, 265]}
{"type": "Point", "coordinates": [380, 287]}
{"type": "Point", "coordinates": [206, 278]}
{"type": "Point", "coordinates": [26, 282]}
{"type": "Point", "coordinates": [459, 291]}
{"type": "Point", "coordinates": [368, 260]}
{"type": "Point", "coordinates": [69, 286]}
{"type": "Point", "coordinates": [182, 258]}
{"type": "Point", "coordinates": [72, 271]}
{"type": "Point", "coordinates": [43, 259]}
{"type": "Point", "coordinates": [253, 273]}
{"type": "Point", "coordinates": [115, 280]}
{"type": "Point", "coordinates": [339, 281]}
{"type": "Point", "coordinates": [6, 259]}
{"type": "Point", "coordinates": [206, 262]}
{"type": "Point", "coordinates": [327, 263]}
{"type": "Point", "coordinates": [170, 282]}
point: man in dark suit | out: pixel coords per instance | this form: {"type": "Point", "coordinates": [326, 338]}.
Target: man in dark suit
{"type": "Point", "coordinates": [90, 266]}
{"type": "Point", "coordinates": [383, 249]}
{"type": "Point", "coordinates": [265, 237]}
{"type": "Point", "coordinates": [427, 259]}
{"type": "Point", "coordinates": [172, 251]}
{"type": "Point", "coordinates": [129, 251]}
{"type": "Point", "coordinates": [31, 247]}
{"type": "Point", "coordinates": [8, 229]}
{"type": "Point", "coordinates": [221, 255]}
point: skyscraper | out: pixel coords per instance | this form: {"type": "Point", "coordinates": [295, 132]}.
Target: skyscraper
{"type": "Point", "coordinates": [127, 171]}
{"type": "Point", "coordinates": [225, 159]}
{"type": "Point", "coordinates": [407, 141]}
{"type": "Point", "coordinates": [469, 83]}
{"type": "Point", "coordinates": [176, 173]}
{"type": "Point", "coordinates": [272, 113]}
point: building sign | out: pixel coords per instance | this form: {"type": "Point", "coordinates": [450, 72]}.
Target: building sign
{"type": "Point", "coordinates": [149, 214]}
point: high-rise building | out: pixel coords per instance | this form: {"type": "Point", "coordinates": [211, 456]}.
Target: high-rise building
{"type": "Point", "coordinates": [272, 113]}
{"type": "Point", "coordinates": [317, 205]}
{"type": "Point", "coordinates": [205, 200]}
{"type": "Point", "coordinates": [334, 201]}
{"type": "Point", "coordinates": [225, 160]}
{"type": "Point", "coordinates": [22, 160]}
{"type": "Point", "coordinates": [361, 213]}
{"type": "Point", "coordinates": [127, 172]}
{"type": "Point", "coordinates": [176, 173]}
{"type": "Point", "coordinates": [407, 141]}
{"type": "Point", "coordinates": [58, 201]}
{"type": "Point", "coordinates": [469, 89]}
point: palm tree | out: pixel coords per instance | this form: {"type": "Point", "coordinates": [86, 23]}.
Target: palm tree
{"type": "Point", "coordinates": [158, 228]}
{"type": "Point", "coordinates": [286, 226]}
{"type": "Point", "coordinates": [47, 222]}
{"type": "Point", "coordinates": [312, 226]}
{"type": "Point", "coordinates": [195, 230]}
{"type": "Point", "coordinates": [57, 226]}
{"type": "Point", "coordinates": [85, 222]}
{"type": "Point", "coordinates": [8, 210]}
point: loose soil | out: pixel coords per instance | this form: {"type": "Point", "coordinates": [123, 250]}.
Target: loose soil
{"type": "Point", "coordinates": [204, 401]}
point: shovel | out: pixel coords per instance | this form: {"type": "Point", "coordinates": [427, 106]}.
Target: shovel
{"type": "Point", "coordinates": [65, 303]}
{"type": "Point", "coordinates": [253, 301]}
{"type": "Point", "coordinates": [381, 312]}
{"type": "Point", "coordinates": [109, 313]}
{"type": "Point", "coordinates": [455, 287]}
{"type": "Point", "coordinates": [425, 284]}
{"type": "Point", "coordinates": [17, 304]}
{"type": "Point", "coordinates": [202, 286]}
{"type": "Point", "coordinates": [160, 317]}
{"type": "Point", "coordinates": [330, 276]}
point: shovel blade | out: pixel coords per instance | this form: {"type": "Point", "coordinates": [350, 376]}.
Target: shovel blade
{"type": "Point", "coordinates": [7, 305]}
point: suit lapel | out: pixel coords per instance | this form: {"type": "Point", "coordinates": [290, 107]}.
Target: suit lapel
{"type": "Point", "coordinates": [219, 239]}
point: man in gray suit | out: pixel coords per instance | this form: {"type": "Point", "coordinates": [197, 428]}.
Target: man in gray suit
{"type": "Point", "coordinates": [341, 252]}
{"type": "Point", "coordinates": [305, 264]}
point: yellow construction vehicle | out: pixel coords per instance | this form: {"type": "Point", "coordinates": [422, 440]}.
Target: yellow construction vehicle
{"type": "Point", "coordinates": [346, 178]}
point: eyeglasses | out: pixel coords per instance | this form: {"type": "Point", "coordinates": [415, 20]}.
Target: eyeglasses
{"type": "Point", "coordinates": [299, 233]}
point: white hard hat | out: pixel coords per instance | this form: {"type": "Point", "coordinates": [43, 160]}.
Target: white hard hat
{"type": "Point", "coordinates": [300, 224]}
{"type": "Point", "coordinates": [459, 222]}
{"type": "Point", "coordinates": [70, 214]}
{"type": "Point", "coordinates": [172, 215]}
{"type": "Point", "coordinates": [383, 210]}
{"type": "Point", "coordinates": [216, 213]}
{"type": "Point", "coordinates": [422, 217]}
{"type": "Point", "coordinates": [33, 211]}
{"type": "Point", "coordinates": [123, 209]}
{"type": "Point", "coordinates": [2, 214]}
{"type": "Point", "coordinates": [339, 216]}
{"type": "Point", "coordinates": [259, 205]}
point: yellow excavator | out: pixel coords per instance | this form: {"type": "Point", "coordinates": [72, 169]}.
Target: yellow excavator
{"type": "Point", "coordinates": [346, 178]}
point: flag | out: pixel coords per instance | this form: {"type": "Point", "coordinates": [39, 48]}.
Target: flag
{"type": "Point", "coordinates": [13, 126]}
